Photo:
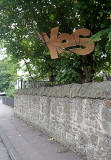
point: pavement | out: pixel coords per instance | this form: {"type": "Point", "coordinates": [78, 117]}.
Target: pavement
{"type": "Point", "coordinates": [26, 142]}
{"type": "Point", "coordinates": [3, 151]}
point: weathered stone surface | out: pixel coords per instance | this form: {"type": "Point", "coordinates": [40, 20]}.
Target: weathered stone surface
{"type": "Point", "coordinates": [78, 115]}
{"type": "Point", "coordinates": [88, 90]}
{"type": "Point", "coordinates": [108, 104]}
{"type": "Point", "coordinates": [106, 114]}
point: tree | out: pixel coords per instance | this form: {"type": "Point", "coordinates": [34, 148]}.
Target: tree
{"type": "Point", "coordinates": [22, 20]}
{"type": "Point", "coordinates": [8, 73]}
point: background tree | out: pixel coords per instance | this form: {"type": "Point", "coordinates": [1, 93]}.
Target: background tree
{"type": "Point", "coordinates": [8, 74]}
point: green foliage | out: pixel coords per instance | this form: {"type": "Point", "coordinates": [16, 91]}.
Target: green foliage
{"type": "Point", "coordinates": [11, 90]}
{"type": "Point", "coordinates": [8, 73]}
{"type": "Point", "coordinates": [69, 69]}
{"type": "Point", "coordinates": [98, 78]}
{"type": "Point", "coordinates": [20, 21]}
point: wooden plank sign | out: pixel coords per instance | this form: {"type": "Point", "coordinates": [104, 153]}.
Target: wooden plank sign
{"type": "Point", "coordinates": [70, 43]}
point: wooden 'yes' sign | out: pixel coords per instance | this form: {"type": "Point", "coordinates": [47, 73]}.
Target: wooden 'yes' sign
{"type": "Point", "coordinates": [70, 43]}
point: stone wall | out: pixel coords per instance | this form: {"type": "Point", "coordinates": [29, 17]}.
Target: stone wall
{"type": "Point", "coordinates": [78, 115]}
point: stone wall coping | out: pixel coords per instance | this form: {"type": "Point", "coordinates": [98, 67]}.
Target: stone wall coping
{"type": "Point", "coordinates": [95, 90]}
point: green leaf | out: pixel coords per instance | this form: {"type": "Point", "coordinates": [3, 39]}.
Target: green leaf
{"type": "Point", "coordinates": [52, 17]}
{"type": "Point", "coordinates": [109, 35]}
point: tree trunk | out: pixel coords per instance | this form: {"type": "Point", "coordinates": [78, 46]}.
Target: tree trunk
{"type": "Point", "coordinates": [85, 68]}
{"type": "Point", "coordinates": [33, 82]}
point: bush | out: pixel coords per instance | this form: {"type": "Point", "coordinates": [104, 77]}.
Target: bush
{"type": "Point", "coordinates": [98, 78]}
{"type": "Point", "coordinates": [10, 91]}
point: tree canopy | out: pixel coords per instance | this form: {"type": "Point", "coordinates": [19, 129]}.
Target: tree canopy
{"type": "Point", "coordinates": [21, 20]}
